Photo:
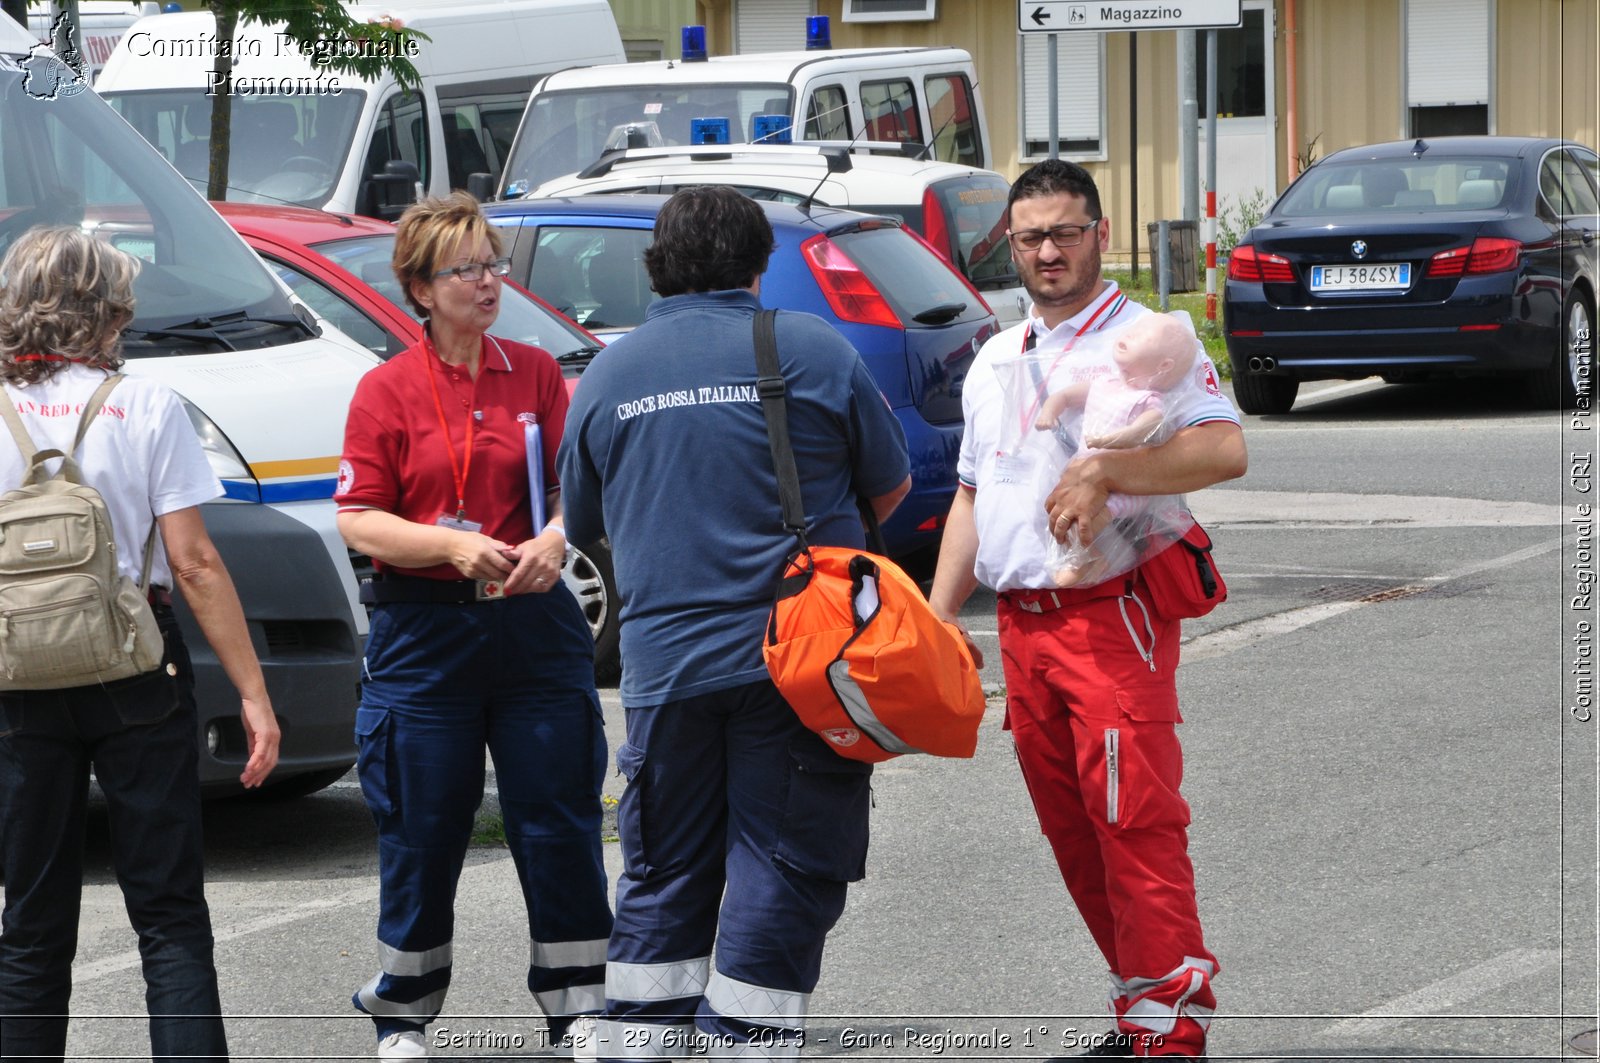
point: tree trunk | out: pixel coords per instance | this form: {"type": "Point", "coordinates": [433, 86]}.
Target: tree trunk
{"type": "Point", "coordinates": [227, 16]}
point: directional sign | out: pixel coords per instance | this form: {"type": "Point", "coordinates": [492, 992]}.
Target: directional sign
{"type": "Point", "coordinates": [1064, 16]}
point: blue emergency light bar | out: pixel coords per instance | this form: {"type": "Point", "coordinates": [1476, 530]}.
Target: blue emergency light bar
{"type": "Point", "coordinates": [694, 44]}
{"type": "Point", "coordinates": [709, 130]}
{"type": "Point", "coordinates": [818, 36]}
{"type": "Point", "coordinates": [771, 129]}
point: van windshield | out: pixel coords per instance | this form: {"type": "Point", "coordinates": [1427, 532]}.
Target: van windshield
{"type": "Point", "coordinates": [282, 149]}
{"type": "Point", "coordinates": [68, 160]}
{"type": "Point", "coordinates": [566, 131]}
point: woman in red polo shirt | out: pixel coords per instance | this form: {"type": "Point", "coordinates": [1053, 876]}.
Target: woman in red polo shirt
{"type": "Point", "coordinates": [475, 640]}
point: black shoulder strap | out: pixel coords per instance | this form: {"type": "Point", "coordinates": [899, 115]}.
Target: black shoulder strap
{"type": "Point", "coordinates": [774, 404]}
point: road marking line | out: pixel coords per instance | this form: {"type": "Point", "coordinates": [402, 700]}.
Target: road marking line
{"type": "Point", "coordinates": [1431, 1000]}
{"type": "Point", "coordinates": [1335, 391]}
{"type": "Point", "coordinates": [129, 959]}
{"type": "Point", "coordinates": [1238, 636]}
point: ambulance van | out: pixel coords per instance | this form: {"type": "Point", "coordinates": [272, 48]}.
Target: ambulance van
{"type": "Point", "coordinates": [305, 134]}
{"type": "Point", "coordinates": [925, 99]}
{"type": "Point", "coordinates": [265, 388]}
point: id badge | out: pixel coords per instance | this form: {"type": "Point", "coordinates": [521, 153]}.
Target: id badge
{"type": "Point", "coordinates": [1012, 468]}
{"type": "Point", "coordinates": [458, 523]}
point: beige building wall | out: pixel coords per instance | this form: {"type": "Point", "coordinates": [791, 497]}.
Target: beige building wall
{"type": "Point", "coordinates": [1546, 81]}
{"type": "Point", "coordinates": [653, 23]}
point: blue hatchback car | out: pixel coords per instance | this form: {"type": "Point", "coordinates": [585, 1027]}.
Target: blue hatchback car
{"type": "Point", "coordinates": [916, 322]}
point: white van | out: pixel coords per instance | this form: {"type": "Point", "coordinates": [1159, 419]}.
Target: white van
{"type": "Point", "coordinates": [307, 135]}
{"type": "Point", "coordinates": [915, 96]}
{"type": "Point", "coordinates": [100, 22]}
{"type": "Point", "coordinates": [266, 391]}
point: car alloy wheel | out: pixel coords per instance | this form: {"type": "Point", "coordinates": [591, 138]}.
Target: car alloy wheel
{"type": "Point", "coordinates": [588, 576]}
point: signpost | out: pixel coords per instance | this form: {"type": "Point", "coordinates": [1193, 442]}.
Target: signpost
{"type": "Point", "coordinates": [1102, 16]}
{"type": "Point", "coordinates": [1065, 16]}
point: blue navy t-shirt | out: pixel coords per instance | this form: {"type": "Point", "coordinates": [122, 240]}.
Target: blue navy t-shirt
{"type": "Point", "coordinates": [665, 451]}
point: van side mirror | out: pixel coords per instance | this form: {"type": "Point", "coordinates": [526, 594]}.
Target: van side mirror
{"type": "Point", "coordinates": [386, 195]}
{"type": "Point", "coordinates": [480, 186]}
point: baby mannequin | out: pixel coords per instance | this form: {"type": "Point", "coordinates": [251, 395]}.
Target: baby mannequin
{"type": "Point", "coordinates": [1154, 356]}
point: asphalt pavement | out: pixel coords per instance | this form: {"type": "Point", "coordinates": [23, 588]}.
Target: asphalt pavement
{"type": "Point", "coordinates": [1394, 803]}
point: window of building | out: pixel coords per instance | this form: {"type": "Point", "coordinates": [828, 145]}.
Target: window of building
{"type": "Point", "coordinates": [1241, 69]}
{"type": "Point", "coordinates": [1080, 95]}
{"type": "Point", "coordinates": [890, 10]}
{"type": "Point", "coordinates": [1447, 67]}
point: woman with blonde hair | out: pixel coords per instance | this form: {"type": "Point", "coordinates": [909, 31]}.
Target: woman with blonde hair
{"type": "Point", "coordinates": [475, 640]}
{"type": "Point", "coordinates": [64, 299]}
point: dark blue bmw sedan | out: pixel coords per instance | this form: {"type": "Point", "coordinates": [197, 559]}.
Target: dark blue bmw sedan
{"type": "Point", "coordinates": [916, 322]}
{"type": "Point", "coordinates": [1418, 259]}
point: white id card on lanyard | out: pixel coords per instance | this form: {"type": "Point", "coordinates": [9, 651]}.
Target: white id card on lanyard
{"type": "Point", "coordinates": [458, 523]}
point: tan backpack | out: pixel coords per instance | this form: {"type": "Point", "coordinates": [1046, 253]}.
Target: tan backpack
{"type": "Point", "coordinates": [68, 618]}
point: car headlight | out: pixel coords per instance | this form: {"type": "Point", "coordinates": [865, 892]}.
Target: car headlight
{"type": "Point", "coordinates": [225, 460]}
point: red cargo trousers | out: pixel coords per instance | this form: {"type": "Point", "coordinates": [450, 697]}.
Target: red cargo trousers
{"type": "Point", "coordinates": [1093, 707]}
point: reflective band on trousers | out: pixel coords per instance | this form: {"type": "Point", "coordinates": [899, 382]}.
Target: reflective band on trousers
{"type": "Point", "coordinates": [404, 964]}
{"type": "Point", "coordinates": [424, 1009]}
{"type": "Point", "coordinates": [734, 999]}
{"type": "Point", "coordinates": [573, 1000]}
{"type": "Point", "coordinates": [657, 981]}
{"type": "Point", "coordinates": [567, 953]}
{"type": "Point", "coordinates": [1132, 987]}
{"type": "Point", "coordinates": [642, 1040]}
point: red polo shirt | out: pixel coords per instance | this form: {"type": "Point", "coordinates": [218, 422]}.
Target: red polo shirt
{"type": "Point", "coordinates": [399, 435]}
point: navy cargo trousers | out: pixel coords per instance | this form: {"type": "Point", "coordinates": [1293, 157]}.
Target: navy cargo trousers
{"type": "Point", "coordinates": [443, 681]}
{"type": "Point", "coordinates": [740, 830]}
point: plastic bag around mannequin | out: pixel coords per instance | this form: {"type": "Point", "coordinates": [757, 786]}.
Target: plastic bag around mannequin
{"type": "Point", "coordinates": [1116, 389]}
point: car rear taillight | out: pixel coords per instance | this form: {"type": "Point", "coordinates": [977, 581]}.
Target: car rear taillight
{"type": "Point", "coordinates": [936, 230]}
{"type": "Point", "coordinates": [849, 293]}
{"type": "Point", "coordinates": [1248, 264]}
{"type": "Point", "coordinates": [1488, 254]}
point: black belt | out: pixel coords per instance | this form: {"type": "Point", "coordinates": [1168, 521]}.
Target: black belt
{"type": "Point", "coordinates": [392, 588]}
{"type": "Point", "coordinates": [159, 596]}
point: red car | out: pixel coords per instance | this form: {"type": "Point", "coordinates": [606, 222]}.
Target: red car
{"type": "Point", "coordinates": [339, 266]}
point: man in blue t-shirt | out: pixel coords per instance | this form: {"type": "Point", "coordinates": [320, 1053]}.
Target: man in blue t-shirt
{"type": "Point", "coordinates": [739, 827]}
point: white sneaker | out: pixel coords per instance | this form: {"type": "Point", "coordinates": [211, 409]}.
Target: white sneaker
{"type": "Point", "coordinates": [584, 1038]}
{"type": "Point", "coordinates": [407, 1044]}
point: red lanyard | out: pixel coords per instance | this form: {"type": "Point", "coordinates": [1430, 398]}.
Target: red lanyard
{"type": "Point", "coordinates": [1114, 299]}
{"type": "Point", "coordinates": [458, 470]}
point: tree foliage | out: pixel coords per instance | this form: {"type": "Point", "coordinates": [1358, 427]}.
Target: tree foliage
{"type": "Point", "coordinates": [324, 29]}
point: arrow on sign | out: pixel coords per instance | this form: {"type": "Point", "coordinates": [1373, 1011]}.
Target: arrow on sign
{"type": "Point", "coordinates": [1040, 16]}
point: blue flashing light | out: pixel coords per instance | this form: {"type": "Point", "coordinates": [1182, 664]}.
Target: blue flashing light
{"type": "Point", "coordinates": [819, 38]}
{"type": "Point", "coordinates": [694, 44]}
{"type": "Point", "coordinates": [771, 129]}
{"type": "Point", "coordinates": [171, 7]}
{"type": "Point", "coordinates": [709, 130]}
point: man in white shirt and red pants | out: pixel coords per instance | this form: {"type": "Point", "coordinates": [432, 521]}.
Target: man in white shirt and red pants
{"type": "Point", "coordinates": [1092, 704]}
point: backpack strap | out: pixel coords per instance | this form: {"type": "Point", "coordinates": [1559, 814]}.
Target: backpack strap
{"type": "Point", "coordinates": [35, 458]}
{"type": "Point", "coordinates": [69, 464]}
{"type": "Point", "coordinates": [91, 409]}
